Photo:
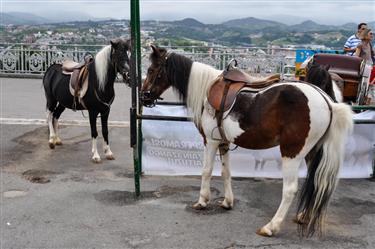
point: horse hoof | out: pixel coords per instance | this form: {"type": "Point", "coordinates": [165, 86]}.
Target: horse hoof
{"type": "Point", "coordinates": [223, 204]}
{"type": "Point", "coordinates": [51, 145]}
{"type": "Point", "coordinates": [265, 232]}
{"type": "Point", "coordinates": [198, 206]}
{"type": "Point", "coordinates": [96, 160]}
{"type": "Point", "coordinates": [110, 157]}
{"type": "Point", "coordinates": [59, 142]}
{"type": "Point", "coordinates": [297, 221]}
{"type": "Point", "coordinates": [300, 220]}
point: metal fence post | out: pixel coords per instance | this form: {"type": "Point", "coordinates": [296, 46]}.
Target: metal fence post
{"type": "Point", "coordinates": [135, 80]}
{"type": "Point", "coordinates": [139, 87]}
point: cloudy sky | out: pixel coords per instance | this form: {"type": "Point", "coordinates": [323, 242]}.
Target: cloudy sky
{"type": "Point", "coordinates": [207, 11]}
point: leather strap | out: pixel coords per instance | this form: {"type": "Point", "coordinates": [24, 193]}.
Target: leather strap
{"type": "Point", "coordinates": [219, 114]}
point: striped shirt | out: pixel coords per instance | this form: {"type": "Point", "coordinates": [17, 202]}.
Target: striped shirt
{"type": "Point", "coordinates": [352, 42]}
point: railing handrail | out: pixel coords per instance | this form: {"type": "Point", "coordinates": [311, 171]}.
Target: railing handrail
{"type": "Point", "coordinates": [272, 47]}
{"type": "Point", "coordinates": [32, 59]}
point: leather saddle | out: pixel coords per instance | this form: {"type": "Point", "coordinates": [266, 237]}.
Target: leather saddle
{"type": "Point", "coordinates": [226, 87]}
{"type": "Point", "coordinates": [78, 75]}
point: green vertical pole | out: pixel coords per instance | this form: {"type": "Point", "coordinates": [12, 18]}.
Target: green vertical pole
{"type": "Point", "coordinates": [134, 76]}
{"type": "Point", "coordinates": [139, 81]}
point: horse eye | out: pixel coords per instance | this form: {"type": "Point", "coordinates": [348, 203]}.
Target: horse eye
{"type": "Point", "coordinates": [150, 71]}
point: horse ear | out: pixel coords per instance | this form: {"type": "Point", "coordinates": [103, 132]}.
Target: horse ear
{"type": "Point", "coordinates": [114, 43]}
{"type": "Point", "coordinates": [155, 50]}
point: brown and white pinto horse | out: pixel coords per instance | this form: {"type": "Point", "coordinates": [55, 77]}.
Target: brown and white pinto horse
{"type": "Point", "coordinates": [298, 117]}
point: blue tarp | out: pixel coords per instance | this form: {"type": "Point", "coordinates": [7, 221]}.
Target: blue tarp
{"type": "Point", "coordinates": [303, 54]}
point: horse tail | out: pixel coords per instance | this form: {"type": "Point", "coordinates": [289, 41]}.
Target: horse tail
{"type": "Point", "coordinates": [337, 92]}
{"type": "Point", "coordinates": [323, 169]}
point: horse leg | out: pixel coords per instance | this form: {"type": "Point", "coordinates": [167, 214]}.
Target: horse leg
{"type": "Point", "coordinates": [107, 151]}
{"type": "Point", "coordinates": [55, 122]}
{"type": "Point", "coordinates": [209, 157]}
{"type": "Point", "coordinates": [94, 134]}
{"type": "Point", "coordinates": [52, 134]}
{"type": "Point", "coordinates": [51, 106]}
{"type": "Point", "coordinates": [290, 187]}
{"type": "Point", "coordinates": [225, 173]}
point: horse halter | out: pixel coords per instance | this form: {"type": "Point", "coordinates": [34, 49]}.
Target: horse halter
{"type": "Point", "coordinates": [147, 97]}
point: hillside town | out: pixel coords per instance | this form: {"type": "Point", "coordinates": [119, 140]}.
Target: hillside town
{"type": "Point", "coordinates": [187, 32]}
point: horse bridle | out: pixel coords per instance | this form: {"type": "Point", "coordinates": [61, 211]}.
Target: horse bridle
{"type": "Point", "coordinates": [147, 95]}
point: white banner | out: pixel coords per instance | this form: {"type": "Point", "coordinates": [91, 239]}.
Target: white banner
{"type": "Point", "coordinates": [176, 148]}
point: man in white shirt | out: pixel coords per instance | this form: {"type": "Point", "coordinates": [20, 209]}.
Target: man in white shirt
{"type": "Point", "coordinates": [353, 41]}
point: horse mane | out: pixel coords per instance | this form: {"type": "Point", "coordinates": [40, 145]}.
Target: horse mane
{"type": "Point", "coordinates": [201, 78]}
{"type": "Point", "coordinates": [178, 70]}
{"type": "Point", "coordinates": [102, 61]}
{"type": "Point", "coordinates": [318, 75]}
{"type": "Point", "coordinates": [191, 79]}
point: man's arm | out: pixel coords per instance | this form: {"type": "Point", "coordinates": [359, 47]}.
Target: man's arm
{"type": "Point", "coordinates": [348, 46]}
{"type": "Point", "coordinates": [346, 49]}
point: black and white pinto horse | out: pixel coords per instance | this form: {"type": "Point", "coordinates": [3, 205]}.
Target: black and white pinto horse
{"type": "Point", "coordinates": [319, 76]}
{"type": "Point", "coordinates": [298, 117]}
{"type": "Point", "coordinates": [102, 72]}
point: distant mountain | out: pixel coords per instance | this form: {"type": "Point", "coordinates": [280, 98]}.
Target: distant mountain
{"type": "Point", "coordinates": [309, 25]}
{"type": "Point", "coordinates": [350, 26]}
{"type": "Point", "coordinates": [189, 22]}
{"type": "Point", "coordinates": [245, 31]}
{"type": "Point", "coordinates": [286, 19]}
{"type": "Point", "coordinates": [19, 18]}
{"type": "Point", "coordinates": [254, 31]}
{"type": "Point", "coordinates": [254, 24]}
